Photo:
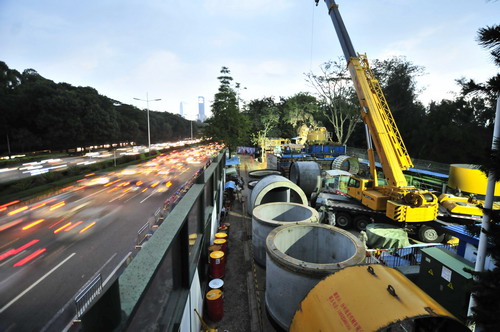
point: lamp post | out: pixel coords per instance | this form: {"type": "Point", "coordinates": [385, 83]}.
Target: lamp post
{"type": "Point", "coordinates": [147, 100]}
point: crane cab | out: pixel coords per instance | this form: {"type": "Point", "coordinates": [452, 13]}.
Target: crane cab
{"type": "Point", "coordinates": [363, 190]}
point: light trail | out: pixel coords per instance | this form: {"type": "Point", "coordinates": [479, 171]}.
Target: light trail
{"type": "Point", "coordinates": [30, 257]}
{"type": "Point", "coordinates": [61, 228]}
{"type": "Point", "coordinates": [84, 229]}
{"type": "Point", "coordinates": [34, 223]}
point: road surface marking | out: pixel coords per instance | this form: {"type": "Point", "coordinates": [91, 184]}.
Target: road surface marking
{"type": "Point", "coordinates": [5, 307]}
{"type": "Point", "coordinates": [95, 193]}
{"type": "Point", "coordinates": [107, 262]}
{"type": "Point", "coordinates": [146, 198]}
{"type": "Point", "coordinates": [5, 245]}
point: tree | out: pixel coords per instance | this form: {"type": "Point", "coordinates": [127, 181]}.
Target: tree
{"type": "Point", "coordinates": [263, 116]}
{"type": "Point", "coordinates": [487, 92]}
{"type": "Point", "coordinates": [301, 109]}
{"type": "Point", "coordinates": [38, 114]}
{"type": "Point", "coordinates": [452, 134]}
{"type": "Point", "coordinates": [398, 79]}
{"type": "Point", "coordinates": [489, 37]}
{"type": "Point", "coordinates": [227, 123]}
{"type": "Point", "coordinates": [336, 94]}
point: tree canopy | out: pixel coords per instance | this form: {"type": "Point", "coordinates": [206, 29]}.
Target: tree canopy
{"type": "Point", "coordinates": [38, 114]}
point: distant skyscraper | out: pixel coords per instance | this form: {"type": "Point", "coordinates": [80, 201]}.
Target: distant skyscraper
{"type": "Point", "coordinates": [201, 109]}
{"type": "Point", "coordinates": [181, 110]}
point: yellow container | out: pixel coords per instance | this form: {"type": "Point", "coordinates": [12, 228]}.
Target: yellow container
{"type": "Point", "coordinates": [469, 179]}
{"type": "Point", "coordinates": [369, 298]}
{"type": "Point", "coordinates": [220, 235]}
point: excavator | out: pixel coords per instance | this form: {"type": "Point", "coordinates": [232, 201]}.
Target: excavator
{"type": "Point", "coordinates": [399, 201]}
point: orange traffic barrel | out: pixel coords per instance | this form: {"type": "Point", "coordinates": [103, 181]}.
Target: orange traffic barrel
{"type": "Point", "coordinates": [221, 235]}
{"type": "Point", "coordinates": [222, 243]}
{"type": "Point", "coordinates": [215, 305]}
{"type": "Point", "coordinates": [217, 264]}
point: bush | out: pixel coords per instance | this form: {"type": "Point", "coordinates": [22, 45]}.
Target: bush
{"type": "Point", "coordinates": [22, 184]}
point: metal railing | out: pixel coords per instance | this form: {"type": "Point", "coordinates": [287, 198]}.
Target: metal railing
{"type": "Point", "coordinates": [87, 295]}
{"type": "Point", "coordinates": [402, 256]}
{"type": "Point", "coordinates": [418, 163]}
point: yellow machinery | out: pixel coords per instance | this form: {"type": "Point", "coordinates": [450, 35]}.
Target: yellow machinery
{"type": "Point", "coordinates": [316, 135]}
{"type": "Point", "coordinates": [371, 298]}
{"type": "Point", "coordinates": [469, 185]}
{"type": "Point", "coordinates": [401, 202]}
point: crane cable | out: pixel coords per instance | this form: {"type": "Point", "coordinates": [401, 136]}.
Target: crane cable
{"type": "Point", "coordinates": [312, 37]}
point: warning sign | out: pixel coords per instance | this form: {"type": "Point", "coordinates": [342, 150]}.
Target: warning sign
{"type": "Point", "coordinates": [446, 274]}
{"type": "Point", "coordinates": [431, 272]}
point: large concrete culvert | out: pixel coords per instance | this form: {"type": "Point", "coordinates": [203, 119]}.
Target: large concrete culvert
{"type": "Point", "coordinates": [307, 175]}
{"type": "Point", "coordinates": [267, 217]}
{"type": "Point", "coordinates": [275, 188]}
{"type": "Point", "coordinates": [298, 257]}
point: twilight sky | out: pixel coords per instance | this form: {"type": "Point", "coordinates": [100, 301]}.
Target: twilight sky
{"type": "Point", "coordinates": [174, 49]}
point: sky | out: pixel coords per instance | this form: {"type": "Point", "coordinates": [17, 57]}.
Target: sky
{"type": "Point", "coordinates": [173, 50]}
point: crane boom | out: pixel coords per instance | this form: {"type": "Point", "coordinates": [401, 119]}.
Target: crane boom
{"type": "Point", "coordinates": [401, 202]}
{"type": "Point", "coordinates": [375, 111]}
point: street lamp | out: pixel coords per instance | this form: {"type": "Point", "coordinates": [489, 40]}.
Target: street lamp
{"type": "Point", "coordinates": [147, 100]}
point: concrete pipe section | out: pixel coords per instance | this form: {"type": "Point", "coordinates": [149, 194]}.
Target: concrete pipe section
{"type": "Point", "coordinates": [298, 257]}
{"type": "Point", "coordinates": [267, 217]}
{"type": "Point", "coordinates": [275, 188]}
{"type": "Point", "coordinates": [346, 163]}
{"type": "Point", "coordinates": [307, 175]}
{"type": "Point", "coordinates": [260, 173]}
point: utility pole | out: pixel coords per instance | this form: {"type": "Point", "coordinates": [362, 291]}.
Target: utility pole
{"type": "Point", "coordinates": [485, 224]}
{"type": "Point", "coordinates": [147, 100]}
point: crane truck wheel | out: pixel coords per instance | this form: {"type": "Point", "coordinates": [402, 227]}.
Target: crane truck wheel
{"type": "Point", "coordinates": [361, 221]}
{"type": "Point", "coordinates": [343, 220]}
{"type": "Point", "coordinates": [429, 234]}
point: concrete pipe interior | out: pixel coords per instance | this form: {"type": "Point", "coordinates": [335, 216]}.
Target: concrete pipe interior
{"type": "Point", "coordinates": [276, 188]}
{"type": "Point", "coordinates": [267, 217]}
{"type": "Point", "coordinates": [284, 212]}
{"type": "Point", "coordinates": [316, 245]}
{"type": "Point", "coordinates": [281, 194]}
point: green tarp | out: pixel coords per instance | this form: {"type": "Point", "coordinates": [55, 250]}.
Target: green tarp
{"type": "Point", "coordinates": [383, 236]}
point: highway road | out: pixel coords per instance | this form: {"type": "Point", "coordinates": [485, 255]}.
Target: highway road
{"type": "Point", "coordinates": [51, 248]}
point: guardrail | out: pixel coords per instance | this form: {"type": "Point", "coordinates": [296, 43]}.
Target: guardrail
{"type": "Point", "coordinates": [87, 295]}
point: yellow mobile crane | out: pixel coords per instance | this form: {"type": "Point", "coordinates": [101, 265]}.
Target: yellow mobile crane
{"type": "Point", "coordinates": [399, 201]}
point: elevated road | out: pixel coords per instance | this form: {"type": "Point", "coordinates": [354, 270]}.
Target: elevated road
{"type": "Point", "coordinates": [50, 249]}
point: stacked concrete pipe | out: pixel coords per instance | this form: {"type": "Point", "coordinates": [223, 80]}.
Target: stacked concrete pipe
{"type": "Point", "coordinates": [298, 257]}
{"type": "Point", "coordinates": [275, 188]}
{"type": "Point", "coordinates": [267, 217]}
